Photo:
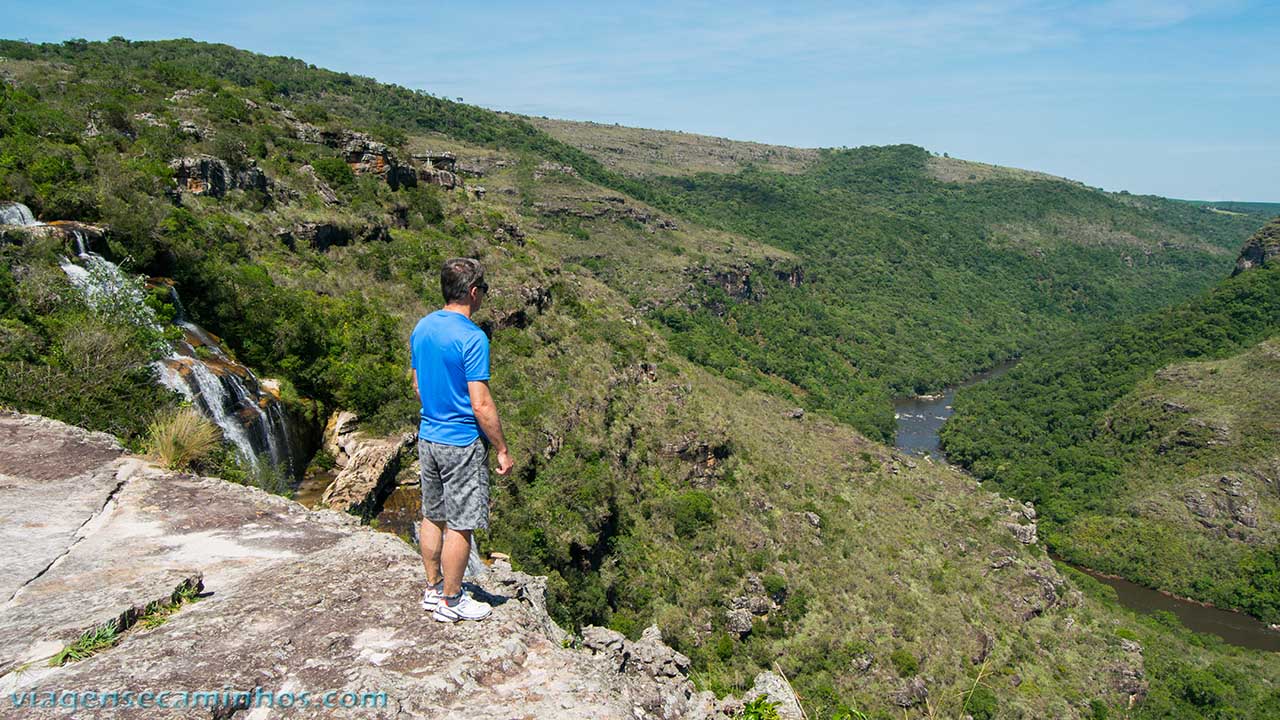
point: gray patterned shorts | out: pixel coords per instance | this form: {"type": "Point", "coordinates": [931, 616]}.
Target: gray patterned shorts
{"type": "Point", "coordinates": [455, 483]}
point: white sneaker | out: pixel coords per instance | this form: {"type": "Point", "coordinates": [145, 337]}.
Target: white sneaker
{"type": "Point", "coordinates": [431, 596]}
{"type": "Point", "coordinates": [465, 608]}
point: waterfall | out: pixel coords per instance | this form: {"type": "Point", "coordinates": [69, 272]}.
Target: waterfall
{"type": "Point", "coordinates": [252, 420]}
{"type": "Point", "coordinates": [106, 288]}
{"type": "Point", "coordinates": [206, 391]}
{"type": "Point", "coordinates": [12, 213]}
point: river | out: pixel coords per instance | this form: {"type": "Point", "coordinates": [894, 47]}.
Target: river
{"type": "Point", "coordinates": [920, 418]}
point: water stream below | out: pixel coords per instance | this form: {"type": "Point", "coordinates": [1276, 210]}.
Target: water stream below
{"type": "Point", "coordinates": [919, 419]}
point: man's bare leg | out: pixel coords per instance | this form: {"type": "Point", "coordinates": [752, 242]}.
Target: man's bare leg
{"type": "Point", "coordinates": [453, 561]}
{"type": "Point", "coordinates": [431, 540]}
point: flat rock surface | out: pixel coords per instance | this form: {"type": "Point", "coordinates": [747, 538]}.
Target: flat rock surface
{"type": "Point", "coordinates": [293, 601]}
{"type": "Point", "coordinates": [53, 479]}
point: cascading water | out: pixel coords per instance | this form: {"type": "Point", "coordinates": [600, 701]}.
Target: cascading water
{"type": "Point", "coordinates": [12, 213]}
{"type": "Point", "coordinates": [251, 419]}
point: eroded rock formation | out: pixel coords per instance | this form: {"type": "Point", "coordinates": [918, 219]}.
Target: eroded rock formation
{"type": "Point", "coordinates": [367, 465]}
{"type": "Point", "coordinates": [208, 175]}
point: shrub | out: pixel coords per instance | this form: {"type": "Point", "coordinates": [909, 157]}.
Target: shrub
{"type": "Point", "coordinates": [313, 113]}
{"type": "Point", "coordinates": [90, 373]}
{"type": "Point", "coordinates": [182, 437]}
{"type": "Point", "coordinates": [233, 148]}
{"type": "Point", "coordinates": [759, 709]}
{"type": "Point", "coordinates": [335, 172]}
{"type": "Point", "coordinates": [691, 510]}
{"type": "Point", "coordinates": [904, 662]}
{"type": "Point", "coordinates": [981, 703]}
{"type": "Point", "coordinates": [776, 586]}
{"type": "Point", "coordinates": [423, 206]}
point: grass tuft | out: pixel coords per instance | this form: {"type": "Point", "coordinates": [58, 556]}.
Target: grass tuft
{"type": "Point", "coordinates": [91, 641]}
{"type": "Point", "coordinates": [182, 437]}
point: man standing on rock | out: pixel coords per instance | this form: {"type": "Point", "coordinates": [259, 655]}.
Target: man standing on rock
{"type": "Point", "coordinates": [459, 420]}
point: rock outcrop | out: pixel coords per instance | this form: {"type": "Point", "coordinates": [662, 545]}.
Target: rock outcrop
{"type": "Point", "coordinates": [293, 601]}
{"type": "Point", "coordinates": [612, 207]}
{"type": "Point", "coordinates": [1261, 250]}
{"type": "Point", "coordinates": [322, 188]}
{"type": "Point", "coordinates": [208, 175]}
{"type": "Point", "coordinates": [366, 156]}
{"type": "Point", "coordinates": [324, 235]}
{"type": "Point", "coordinates": [367, 465]}
{"type": "Point", "coordinates": [77, 238]}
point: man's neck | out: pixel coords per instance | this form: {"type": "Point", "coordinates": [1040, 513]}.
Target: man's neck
{"type": "Point", "coordinates": [460, 309]}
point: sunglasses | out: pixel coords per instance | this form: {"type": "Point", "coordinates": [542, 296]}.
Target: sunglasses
{"type": "Point", "coordinates": [482, 286]}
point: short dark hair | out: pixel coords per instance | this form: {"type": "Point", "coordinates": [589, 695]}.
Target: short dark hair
{"type": "Point", "coordinates": [458, 276]}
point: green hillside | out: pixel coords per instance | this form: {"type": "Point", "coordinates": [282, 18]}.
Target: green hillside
{"type": "Point", "coordinates": [647, 356]}
{"type": "Point", "coordinates": [1233, 206]}
{"type": "Point", "coordinates": [1150, 447]}
{"type": "Point", "coordinates": [918, 270]}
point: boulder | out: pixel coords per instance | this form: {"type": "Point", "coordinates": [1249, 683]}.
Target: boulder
{"type": "Point", "coordinates": [368, 475]}
{"type": "Point", "coordinates": [338, 433]}
{"type": "Point", "coordinates": [738, 621]}
{"type": "Point", "coordinates": [1026, 534]}
{"type": "Point", "coordinates": [652, 673]}
{"type": "Point", "coordinates": [911, 694]}
{"type": "Point", "coordinates": [325, 192]}
{"type": "Point", "coordinates": [754, 604]}
{"type": "Point", "coordinates": [777, 690]}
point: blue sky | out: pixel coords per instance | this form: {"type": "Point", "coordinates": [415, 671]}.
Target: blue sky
{"type": "Point", "coordinates": [1178, 98]}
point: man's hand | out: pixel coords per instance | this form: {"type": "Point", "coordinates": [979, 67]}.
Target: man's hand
{"type": "Point", "coordinates": [505, 463]}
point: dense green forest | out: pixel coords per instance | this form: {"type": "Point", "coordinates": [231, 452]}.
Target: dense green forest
{"type": "Point", "coordinates": [913, 283]}
{"type": "Point", "coordinates": [1066, 430]}
{"type": "Point", "coordinates": [656, 483]}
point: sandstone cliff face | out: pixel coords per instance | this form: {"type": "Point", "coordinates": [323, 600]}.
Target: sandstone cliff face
{"type": "Point", "coordinates": [208, 175]}
{"type": "Point", "coordinates": [366, 465]}
{"type": "Point", "coordinates": [1261, 250]}
{"type": "Point", "coordinates": [293, 601]}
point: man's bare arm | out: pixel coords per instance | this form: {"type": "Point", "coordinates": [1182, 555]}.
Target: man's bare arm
{"type": "Point", "coordinates": [413, 378]}
{"type": "Point", "coordinates": [486, 412]}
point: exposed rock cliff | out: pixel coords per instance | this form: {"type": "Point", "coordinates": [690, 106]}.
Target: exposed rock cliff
{"type": "Point", "coordinates": [293, 601]}
{"type": "Point", "coordinates": [207, 175]}
{"type": "Point", "coordinates": [1262, 249]}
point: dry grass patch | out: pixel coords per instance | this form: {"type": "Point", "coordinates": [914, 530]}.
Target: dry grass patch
{"type": "Point", "coordinates": [182, 437]}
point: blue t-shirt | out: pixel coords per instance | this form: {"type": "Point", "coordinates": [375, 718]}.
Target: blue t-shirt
{"type": "Point", "coordinates": [448, 351]}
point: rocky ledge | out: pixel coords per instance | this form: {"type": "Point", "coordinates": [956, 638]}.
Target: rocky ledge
{"type": "Point", "coordinates": [291, 601]}
{"type": "Point", "coordinates": [1261, 250]}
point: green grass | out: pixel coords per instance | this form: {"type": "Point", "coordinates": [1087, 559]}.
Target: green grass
{"type": "Point", "coordinates": [91, 642]}
{"type": "Point", "coordinates": [108, 634]}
